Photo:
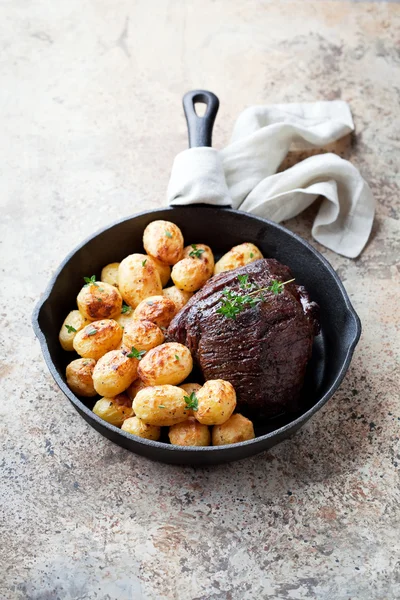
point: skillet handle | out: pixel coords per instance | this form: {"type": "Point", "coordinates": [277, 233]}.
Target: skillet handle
{"type": "Point", "coordinates": [200, 128]}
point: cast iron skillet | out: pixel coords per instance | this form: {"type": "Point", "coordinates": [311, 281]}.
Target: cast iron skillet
{"type": "Point", "coordinates": [221, 229]}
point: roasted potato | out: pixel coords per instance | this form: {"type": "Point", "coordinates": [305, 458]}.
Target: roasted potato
{"type": "Point", "coordinates": [99, 300]}
{"type": "Point", "coordinates": [143, 335]}
{"type": "Point", "coordinates": [125, 317]}
{"type": "Point", "coordinates": [157, 309]}
{"type": "Point", "coordinates": [79, 375]}
{"type": "Point", "coordinates": [135, 388]}
{"type": "Point", "coordinates": [201, 252]}
{"type": "Point", "coordinates": [189, 388]}
{"type": "Point", "coordinates": [73, 323]}
{"type": "Point", "coordinates": [136, 426]}
{"type": "Point", "coordinates": [161, 405]}
{"type": "Point", "coordinates": [164, 270]}
{"type": "Point", "coordinates": [138, 278]}
{"type": "Point", "coordinates": [216, 402]}
{"type": "Point", "coordinates": [163, 240]}
{"type": "Point", "coordinates": [178, 297]}
{"type": "Point", "coordinates": [238, 256]}
{"type": "Point", "coordinates": [236, 429]}
{"type": "Point", "coordinates": [169, 363]}
{"type": "Point", "coordinates": [190, 274]}
{"type": "Point", "coordinates": [109, 274]}
{"type": "Point", "coordinates": [114, 372]}
{"type": "Point", "coordinates": [114, 410]}
{"type": "Point", "coordinates": [189, 433]}
{"type": "Point", "coordinates": [94, 340]}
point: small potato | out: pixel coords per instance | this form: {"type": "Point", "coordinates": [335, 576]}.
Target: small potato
{"type": "Point", "coordinates": [94, 340]}
{"type": "Point", "coordinates": [169, 363]}
{"type": "Point", "coordinates": [138, 278]}
{"type": "Point", "coordinates": [113, 373]}
{"type": "Point", "coordinates": [189, 388]}
{"type": "Point", "coordinates": [79, 375]}
{"type": "Point", "coordinates": [99, 300]}
{"type": "Point", "coordinates": [201, 252]}
{"type": "Point", "coordinates": [72, 324]}
{"type": "Point", "coordinates": [238, 256]}
{"type": "Point", "coordinates": [109, 274]}
{"type": "Point", "coordinates": [178, 297]}
{"type": "Point", "coordinates": [125, 317]}
{"type": "Point", "coordinates": [164, 241]}
{"type": "Point", "coordinates": [161, 405]}
{"type": "Point", "coordinates": [114, 410]}
{"type": "Point", "coordinates": [190, 274]}
{"type": "Point", "coordinates": [236, 429]}
{"type": "Point", "coordinates": [189, 433]}
{"type": "Point", "coordinates": [157, 309]}
{"type": "Point", "coordinates": [135, 388]}
{"type": "Point", "coordinates": [164, 270]}
{"type": "Point", "coordinates": [143, 335]}
{"type": "Point", "coordinates": [136, 426]}
{"type": "Point", "coordinates": [216, 402]}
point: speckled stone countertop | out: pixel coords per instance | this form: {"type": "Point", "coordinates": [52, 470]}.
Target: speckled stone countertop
{"type": "Point", "coordinates": [91, 120]}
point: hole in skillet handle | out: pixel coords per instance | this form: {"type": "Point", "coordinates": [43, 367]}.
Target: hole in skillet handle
{"type": "Point", "coordinates": [200, 127]}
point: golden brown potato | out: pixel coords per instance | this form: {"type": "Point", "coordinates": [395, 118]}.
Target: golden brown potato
{"type": "Point", "coordinates": [94, 340]}
{"type": "Point", "coordinates": [164, 241]}
{"type": "Point", "coordinates": [178, 297]}
{"type": "Point", "coordinates": [190, 274]}
{"type": "Point", "coordinates": [143, 335]}
{"type": "Point", "coordinates": [166, 364]}
{"type": "Point", "coordinates": [73, 323]}
{"type": "Point", "coordinates": [236, 429]}
{"type": "Point", "coordinates": [138, 278]}
{"type": "Point", "coordinates": [136, 426]}
{"type": "Point", "coordinates": [135, 388]}
{"type": "Point", "coordinates": [109, 274]}
{"type": "Point", "coordinates": [238, 256]}
{"type": "Point", "coordinates": [164, 270]}
{"type": "Point", "coordinates": [126, 316]}
{"type": "Point", "coordinates": [114, 410]}
{"type": "Point", "coordinates": [157, 309]}
{"type": "Point", "coordinates": [189, 388]}
{"type": "Point", "coordinates": [161, 405]}
{"type": "Point", "coordinates": [201, 252]}
{"type": "Point", "coordinates": [216, 402]}
{"type": "Point", "coordinates": [189, 433]}
{"type": "Point", "coordinates": [79, 375]}
{"type": "Point", "coordinates": [99, 300]}
{"type": "Point", "coordinates": [113, 373]}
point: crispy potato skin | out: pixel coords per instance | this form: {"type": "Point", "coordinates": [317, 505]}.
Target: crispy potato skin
{"type": "Point", "coordinates": [109, 274]}
{"type": "Point", "coordinates": [163, 240]}
{"type": "Point", "coordinates": [178, 297]}
{"type": "Point", "coordinates": [107, 336]}
{"type": "Point", "coordinates": [169, 363]}
{"type": "Point", "coordinates": [236, 429]}
{"type": "Point", "coordinates": [99, 300]}
{"type": "Point", "coordinates": [135, 388]}
{"type": "Point", "coordinates": [189, 433]}
{"type": "Point", "coordinates": [206, 257]}
{"type": "Point", "coordinates": [216, 402]}
{"type": "Point", "coordinates": [136, 426]}
{"type": "Point", "coordinates": [238, 256]}
{"type": "Point", "coordinates": [138, 279]}
{"type": "Point", "coordinates": [79, 374]}
{"type": "Point", "coordinates": [76, 320]}
{"type": "Point", "coordinates": [160, 405]}
{"type": "Point", "coordinates": [114, 372]}
{"type": "Point", "coordinates": [157, 309]}
{"type": "Point", "coordinates": [143, 335]}
{"type": "Point", "coordinates": [114, 410]}
{"type": "Point", "coordinates": [164, 270]}
{"type": "Point", "coordinates": [190, 274]}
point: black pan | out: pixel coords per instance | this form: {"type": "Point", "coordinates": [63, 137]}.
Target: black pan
{"type": "Point", "coordinates": [221, 229]}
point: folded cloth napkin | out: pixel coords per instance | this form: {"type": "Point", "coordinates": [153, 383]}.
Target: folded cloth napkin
{"type": "Point", "coordinates": [243, 175]}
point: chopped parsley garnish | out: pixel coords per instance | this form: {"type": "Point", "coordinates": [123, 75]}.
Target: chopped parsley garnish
{"type": "Point", "coordinates": [144, 262]}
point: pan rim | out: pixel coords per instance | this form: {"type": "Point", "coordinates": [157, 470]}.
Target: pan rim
{"type": "Point", "coordinates": [169, 448]}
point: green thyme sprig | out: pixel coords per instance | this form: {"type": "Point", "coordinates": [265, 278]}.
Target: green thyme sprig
{"type": "Point", "coordinates": [134, 353]}
{"type": "Point", "coordinates": [125, 309]}
{"type": "Point", "coordinates": [90, 281]}
{"type": "Point", "coordinates": [70, 329]}
{"type": "Point", "coordinates": [192, 401]}
{"type": "Point", "coordinates": [196, 252]}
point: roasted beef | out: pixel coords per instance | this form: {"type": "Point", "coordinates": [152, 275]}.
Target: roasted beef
{"type": "Point", "coordinates": [264, 351]}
